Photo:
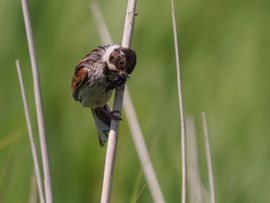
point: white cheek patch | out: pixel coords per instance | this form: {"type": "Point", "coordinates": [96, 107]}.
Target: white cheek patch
{"type": "Point", "coordinates": [106, 56]}
{"type": "Point", "coordinates": [111, 66]}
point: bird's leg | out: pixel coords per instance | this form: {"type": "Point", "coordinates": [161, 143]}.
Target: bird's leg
{"type": "Point", "coordinates": [114, 115]}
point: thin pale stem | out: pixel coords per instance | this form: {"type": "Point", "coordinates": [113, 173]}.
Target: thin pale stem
{"type": "Point", "coordinates": [103, 31]}
{"type": "Point", "coordinates": [194, 180]}
{"type": "Point", "coordinates": [133, 123]}
{"type": "Point", "coordinates": [119, 94]}
{"type": "Point", "coordinates": [30, 133]}
{"type": "Point", "coordinates": [129, 23]}
{"type": "Point", "coordinates": [181, 107]}
{"type": "Point", "coordinates": [208, 158]}
{"type": "Point", "coordinates": [38, 102]}
{"type": "Point", "coordinates": [142, 151]}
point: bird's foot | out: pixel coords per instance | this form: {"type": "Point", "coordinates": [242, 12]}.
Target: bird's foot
{"type": "Point", "coordinates": [115, 115]}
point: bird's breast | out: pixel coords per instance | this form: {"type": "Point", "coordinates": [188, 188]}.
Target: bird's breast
{"type": "Point", "coordinates": [94, 94]}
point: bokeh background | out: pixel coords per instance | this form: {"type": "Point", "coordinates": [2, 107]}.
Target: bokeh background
{"type": "Point", "coordinates": [225, 62]}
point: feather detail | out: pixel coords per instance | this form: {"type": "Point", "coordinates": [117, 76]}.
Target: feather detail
{"type": "Point", "coordinates": [103, 122]}
{"type": "Point", "coordinates": [78, 80]}
{"type": "Point", "coordinates": [82, 68]}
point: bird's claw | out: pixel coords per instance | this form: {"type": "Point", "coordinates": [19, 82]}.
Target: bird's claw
{"type": "Point", "coordinates": [115, 115]}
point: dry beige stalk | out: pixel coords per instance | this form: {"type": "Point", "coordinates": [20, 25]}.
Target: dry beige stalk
{"type": "Point", "coordinates": [181, 108]}
{"type": "Point", "coordinates": [30, 133]}
{"type": "Point", "coordinates": [119, 94]}
{"type": "Point", "coordinates": [133, 123]}
{"type": "Point", "coordinates": [208, 159]}
{"type": "Point", "coordinates": [38, 102]}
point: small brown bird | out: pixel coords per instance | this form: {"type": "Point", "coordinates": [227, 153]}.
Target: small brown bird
{"type": "Point", "coordinates": [95, 77]}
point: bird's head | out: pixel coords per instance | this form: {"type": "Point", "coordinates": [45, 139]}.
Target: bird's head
{"type": "Point", "coordinates": [122, 60]}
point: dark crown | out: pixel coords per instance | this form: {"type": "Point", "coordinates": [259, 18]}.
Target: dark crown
{"type": "Point", "coordinates": [131, 59]}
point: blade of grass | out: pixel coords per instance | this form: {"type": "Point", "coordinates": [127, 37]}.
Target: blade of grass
{"type": "Point", "coordinates": [139, 193]}
{"type": "Point", "coordinates": [6, 168]}
{"type": "Point", "coordinates": [30, 133]}
{"type": "Point", "coordinates": [135, 190]}
{"type": "Point", "coordinates": [9, 140]}
{"type": "Point", "coordinates": [181, 107]}
{"type": "Point", "coordinates": [38, 102]}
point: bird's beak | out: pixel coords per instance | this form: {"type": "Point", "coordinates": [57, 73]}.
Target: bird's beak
{"type": "Point", "coordinates": [123, 74]}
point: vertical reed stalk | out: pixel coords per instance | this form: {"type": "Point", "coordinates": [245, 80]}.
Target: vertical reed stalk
{"type": "Point", "coordinates": [38, 102]}
{"type": "Point", "coordinates": [113, 135]}
{"type": "Point", "coordinates": [142, 151]}
{"type": "Point", "coordinates": [195, 187]}
{"type": "Point", "coordinates": [30, 133]}
{"type": "Point", "coordinates": [133, 123]}
{"type": "Point", "coordinates": [208, 158]}
{"type": "Point", "coordinates": [181, 107]}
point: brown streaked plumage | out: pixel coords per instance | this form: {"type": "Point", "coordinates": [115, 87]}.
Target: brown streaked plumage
{"type": "Point", "coordinates": [95, 77]}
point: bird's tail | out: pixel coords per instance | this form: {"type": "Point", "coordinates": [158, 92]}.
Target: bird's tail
{"type": "Point", "coordinates": [103, 122]}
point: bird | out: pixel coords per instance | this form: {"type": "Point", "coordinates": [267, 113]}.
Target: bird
{"type": "Point", "coordinates": [96, 76]}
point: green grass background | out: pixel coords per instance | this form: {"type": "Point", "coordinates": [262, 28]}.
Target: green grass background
{"type": "Point", "coordinates": [225, 48]}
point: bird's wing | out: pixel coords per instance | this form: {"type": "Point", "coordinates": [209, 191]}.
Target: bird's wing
{"type": "Point", "coordinates": [83, 69]}
{"type": "Point", "coordinates": [79, 78]}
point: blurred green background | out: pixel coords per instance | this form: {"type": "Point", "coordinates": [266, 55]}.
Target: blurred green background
{"type": "Point", "coordinates": [225, 67]}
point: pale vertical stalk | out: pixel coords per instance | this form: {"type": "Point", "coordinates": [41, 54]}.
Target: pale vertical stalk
{"type": "Point", "coordinates": [38, 102]}
{"type": "Point", "coordinates": [208, 158]}
{"type": "Point", "coordinates": [194, 181]}
{"type": "Point", "coordinates": [113, 135]}
{"type": "Point", "coordinates": [141, 149]}
{"type": "Point", "coordinates": [181, 107]}
{"type": "Point", "coordinates": [30, 133]}
{"type": "Point", "coordinates": [129, 23]}
{"type": "Point", "coordinates": [133, 123]}
{"type": "Point", "coordinates": [103, 31]}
